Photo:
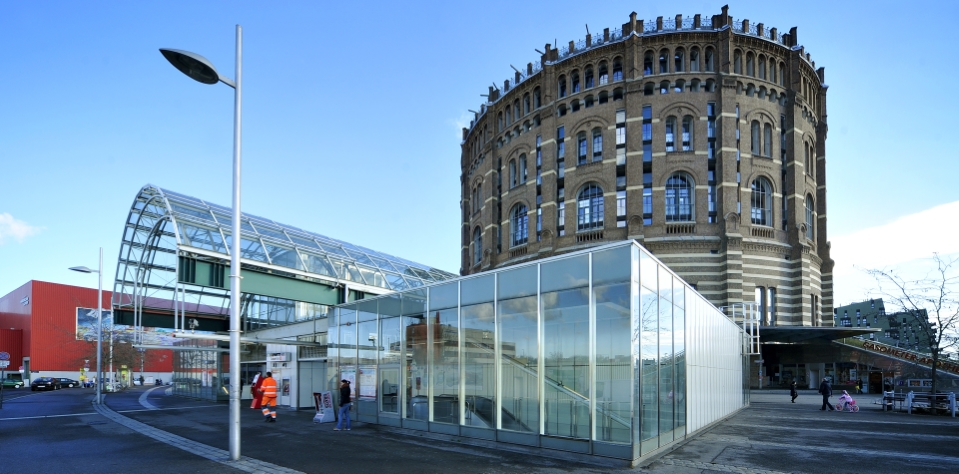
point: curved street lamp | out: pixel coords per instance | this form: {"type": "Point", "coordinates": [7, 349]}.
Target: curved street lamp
{"type": "Point", "coordinates": [99, 272]}
{"type": "Point", "coordinates": [198, 68]}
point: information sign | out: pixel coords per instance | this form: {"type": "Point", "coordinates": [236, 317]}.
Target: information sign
{"type": "Point", "coordinates": [4, 364]}
{"type": "Point", "coordinates": [4, 356]}
{"type": "Point", "coordinates": [324, 407]}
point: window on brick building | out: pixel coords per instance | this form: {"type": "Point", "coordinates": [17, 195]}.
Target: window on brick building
{"type": "Point", "coordinates": [679, 198]}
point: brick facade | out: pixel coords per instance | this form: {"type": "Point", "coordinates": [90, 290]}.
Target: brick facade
{"type": "Point", "coordinates": [723, 247]}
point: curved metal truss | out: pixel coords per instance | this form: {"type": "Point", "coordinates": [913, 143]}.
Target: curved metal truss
{"type": "Point", "coordinates": [164, 226]}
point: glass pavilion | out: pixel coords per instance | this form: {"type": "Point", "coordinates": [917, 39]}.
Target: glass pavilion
{"type": "Point", "coordinates": [173, 270]}
{"type": "Point", "coordinates": [603, 351]}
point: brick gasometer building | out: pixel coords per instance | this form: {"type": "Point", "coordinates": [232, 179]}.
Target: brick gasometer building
{"type": "Point", "coordinates": [701, 138]}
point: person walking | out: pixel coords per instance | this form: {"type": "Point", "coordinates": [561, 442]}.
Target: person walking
{"type": "Point", "coordinates": [792, 391]}
{"type": "Point", "coordinates": [859, 386]}
{"type": "Point", "coordinates": [345, 403]}
{"type": "Point", "coordinates": [268, 390]}
{"type": "Point", "coordinates": [826, 390]}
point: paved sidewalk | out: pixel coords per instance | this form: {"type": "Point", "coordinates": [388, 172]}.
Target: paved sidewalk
{"type": "Point", "coordinates": [771, 436]}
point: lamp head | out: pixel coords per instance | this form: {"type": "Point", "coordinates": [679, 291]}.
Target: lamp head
{"type": "Point", "coordinates": [193, 65]}
{"type": "Point", "coordinates": [83, 270]}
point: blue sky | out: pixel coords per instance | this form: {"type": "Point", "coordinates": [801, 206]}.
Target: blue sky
{"type": "Point", "coordinates": [352, 114]}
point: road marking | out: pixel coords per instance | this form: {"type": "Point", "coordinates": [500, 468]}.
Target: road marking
{"type": "Point", "coordinates": [912, 436]}
{"type": "Point", "coordinates": [46, 416]}
{"type": "Point", "coordinates": [245, 463]}
{"type": "Point", "coordinates": [143, 399]}
{"type": "Point", "coordinates": [173, 408]}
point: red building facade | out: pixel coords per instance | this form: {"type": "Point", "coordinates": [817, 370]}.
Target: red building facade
{"type": "Point", "coordinates": [43, 316]}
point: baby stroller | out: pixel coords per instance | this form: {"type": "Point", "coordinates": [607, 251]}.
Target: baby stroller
{"type": "Point", "coordinates": [846, 403]}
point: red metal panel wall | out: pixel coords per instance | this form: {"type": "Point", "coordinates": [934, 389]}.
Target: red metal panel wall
{"type": "Point", "coordinates": [15, 310]}
{"type": "Point", "coordinates": [11, 342]}
{"type": "Point", "coordinates": [54, 318]}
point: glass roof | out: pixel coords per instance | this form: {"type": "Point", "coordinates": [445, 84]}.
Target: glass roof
{"type": "Point", "coordinates": [160, 221]}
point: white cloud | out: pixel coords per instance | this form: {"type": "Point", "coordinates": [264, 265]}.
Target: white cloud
{"type": "Point", "coordinates": [906, 243]}
{"type": "Point", "coordinates": [461, 122]}
{"type": "Point", "coordinates": [16, 229]}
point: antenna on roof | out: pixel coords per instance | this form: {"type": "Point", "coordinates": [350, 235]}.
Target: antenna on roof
{"type": "Point", "coordinates": [514, 68]}
{"type": "Point", "coordinates": [587, 28]}
{"type": "Point", "coordinates": [484, 95]}
{"type": "Point", "coordinates": [494, 86]}
{"type": "Point", "coordinates": [475, 112]}
{"type": "Point", "coordinates": [538, 51]}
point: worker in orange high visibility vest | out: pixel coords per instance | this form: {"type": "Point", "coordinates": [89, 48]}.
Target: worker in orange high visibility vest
{"type": "Point", "coordinates": [268, 390]}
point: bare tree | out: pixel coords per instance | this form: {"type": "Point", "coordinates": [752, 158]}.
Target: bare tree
{"type": "Point", "coordinates": [932, 300]}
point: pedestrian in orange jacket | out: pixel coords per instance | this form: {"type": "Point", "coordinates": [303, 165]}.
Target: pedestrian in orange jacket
{"type": "Point", "coordinates": [268, 389]}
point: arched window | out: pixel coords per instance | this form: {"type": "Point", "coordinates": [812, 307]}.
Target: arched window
{"type": "Point", "coordinates": [618, 69]}
{"type": "Point", "coordinates": [808, 164]}
{"type": "Point", "coordinates": [680, 86]}
{"type": "Point", "coordinates": [762, 66]}
{"type": "Point", "coordinates": [694, 85]}
{"type": "Point", "coordinates": [687, 133]}
{"type": "Point", "coordinates": [588, 77]}
{"type": "Point", "coordinates": [603, 97]}
{"type": "Point", "coordinates": [522, 168]}
{"type": "Point", "coordinates": [768, 140]}
{"type": "Point", "coordinates": [517, 113]}
{"type": "Point", "coordinates": [782, 74]}
{"type": "Point", "coordinates": [809, 217]}
{"type": "Point", "coordinates": [664, 61]}
{"type": "Point", "coordinates": [679, 198]}
{"type": "Point", "coordinates": [710, 85]}
{"type": "Point", "coordinates": [512, 174]}
{"type": "Point", "coordinates": [518, 223]}
{"type": "Point", "coordinates": [499, 122]}
{"type": "Point", "coordinates": [536, 98]}
{"type": "Point", "coordinates": [737, 62]}
{"type": "Point", "coordinates": [694, 60]}
{"type": "Point", "coordinates": [575, 78]}
{"type": "Point", "coordinates": [561, 85]}
{"type": "Point", "coordinates": [679, 60]}
{"type": "Point", "coordinates": [525, 104]}
{"type": "Point", "coordinates": [477, 245]}
{"type": "Point", "coordinates": [649, 88]}
{"type": "Point", "coordinates": [597, 145]}
{"type": "Point", "coordinates": [618, 93]}
{"type": "Point", "coordinates": [710, 63]}
{"type": "Point", "coordinates": [750, 64]}
{"type": "Point", "coordinates": [589, 212]}
{"type": "Point", "coordinates": [603, 73]}
{"type": "Point", "coordinates": [754, 136]}
{"type": "Point", "coordinates": [762, 200]}
{"type": "Point", "coordinates": [772, 70]}
{"type": "Point", "coordinates": [648, 63]}
{"type": "Point", "coordinates": [670, 133]}
{"type": "Point", "coordinates": [581, 148]}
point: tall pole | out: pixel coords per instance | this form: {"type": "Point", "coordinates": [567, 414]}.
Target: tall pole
{"type": "Point", "coordinates": [100, 329]}
{"type": "Point", "coordinates": [235, 259]}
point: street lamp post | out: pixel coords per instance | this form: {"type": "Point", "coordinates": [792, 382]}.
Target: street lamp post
{"type": "Point", "coordinates": [99, 272]}
{"type": "Point", "coordinates": [199, 69]}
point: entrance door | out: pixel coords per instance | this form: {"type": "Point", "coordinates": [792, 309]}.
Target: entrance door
{"type": "Point", "coordinates": [875, 382]}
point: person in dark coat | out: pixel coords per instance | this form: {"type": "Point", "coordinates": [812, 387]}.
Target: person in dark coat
{"type": "Point", "coordinates": [792, 391]}
{"type": "Point", "coordinates": [826, 390]}
{"type": "Point", "coordinates": [345, 403]}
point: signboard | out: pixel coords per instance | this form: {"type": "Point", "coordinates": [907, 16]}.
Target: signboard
{"type": "Point", "coordinates": [368, 382]}
{"type": "Point", "coordinates": [278, 357]}
{"type": "Point", "coordinates": [4, 364]}
{"type": "Point", "coordinates": [323, 401]}
{"type": "Point", "coordinates": [4, 356]}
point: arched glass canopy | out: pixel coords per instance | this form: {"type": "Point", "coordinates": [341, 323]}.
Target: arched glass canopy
{"type": "Point", "coordinates": [165, 227]}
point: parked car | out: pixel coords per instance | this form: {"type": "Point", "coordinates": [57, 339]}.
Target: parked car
{"type": "Point", "coordinates": [45, 383]}
{"type": "Point", "coordinates": [11, 383]}
{"type": "Point", "coordinates": [69, 383]}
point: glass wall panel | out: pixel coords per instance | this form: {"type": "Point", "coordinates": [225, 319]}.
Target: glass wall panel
{"type": "Point", "coordinates": [480, 290]}
{"type": "Point", "coordinates": [479, 364]}
{"type": "Point", "coordinates": [519, 349]}
{"type": "Point", "coordinates": [445, 364]}
{"type": "Point", "coordinates": [365, 384]}
{"type": "Point", "coordinates": [649, 350]}
{"type": "Point", "coordinates": [611, 293]}
{"type": "Point", "coordinates": [518, 282]}
{"type": "Point", "coordinates": [347, 348]}
{"type": "Point", "coordinates": [679, 349]}
{"type": "Point", "coordinates": [666, 393]}
{"type": "Point", "coordinates": [390, 364]}
{"type": "Point", "coordinates": [414, 320]}
{"type": "Point", "coordinates": [565, 301]}
{"type": "Point", "coordinates": [444, 296]}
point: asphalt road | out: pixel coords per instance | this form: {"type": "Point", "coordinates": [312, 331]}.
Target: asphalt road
{"type": "Point", "coordinates": [61, 429]}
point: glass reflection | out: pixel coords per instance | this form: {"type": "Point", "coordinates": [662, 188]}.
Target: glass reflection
{"type": "Point", "coordinates": [414, 319]}
{"type": "Point", "coordinates": [445, 365]}
{"type": "Point", "coordinates": [611, 293]}
{"type": "Point", "coordinates": [479, 365]}
{"type": "Point", "coordinates": [649, 351]}
{"type": "Point", "coordinates": [519, 349]}
{"type": "Point", "coordinates": [566, 364]}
